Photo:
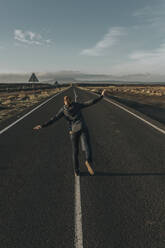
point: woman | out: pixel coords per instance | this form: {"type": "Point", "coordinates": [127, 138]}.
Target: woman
{"type": "Point", "coordinates": [77, 129]}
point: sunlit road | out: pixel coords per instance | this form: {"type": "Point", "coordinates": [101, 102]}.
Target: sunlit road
{"type": "Point", "coordinates": [122, 206]}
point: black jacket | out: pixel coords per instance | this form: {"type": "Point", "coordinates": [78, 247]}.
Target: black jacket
{"type": "Point", "coordinates": [73, 114]}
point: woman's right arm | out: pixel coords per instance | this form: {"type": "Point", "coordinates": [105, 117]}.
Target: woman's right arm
{"type": "Point", "coordinates": [59, 115]}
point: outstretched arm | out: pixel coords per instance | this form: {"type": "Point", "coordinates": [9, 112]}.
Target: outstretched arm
{"type": "Point", "coordinates": [59, 115]}
{"type": "Point", "coordinates": [93, 101]}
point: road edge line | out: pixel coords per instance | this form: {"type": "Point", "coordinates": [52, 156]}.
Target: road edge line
{"type": "Point", "coordinates": [135, 115]}
{"type": "Point", "coordinates": [31, 111]}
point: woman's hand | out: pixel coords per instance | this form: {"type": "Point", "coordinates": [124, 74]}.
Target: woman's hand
{"type": "Point", "coordinates": [103, 92]}
{"type": "Point", "coordinates": [37, 127]}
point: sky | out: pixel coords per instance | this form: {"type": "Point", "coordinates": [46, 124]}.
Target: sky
{"type": "Point", "coordinates": [91, 36]}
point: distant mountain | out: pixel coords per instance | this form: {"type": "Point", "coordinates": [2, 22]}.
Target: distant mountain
{"type": "Point", "coordinates": [74, 76]}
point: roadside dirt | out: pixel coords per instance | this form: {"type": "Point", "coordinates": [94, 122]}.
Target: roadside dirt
{"type": "Point", "coordinates": [15, 102]}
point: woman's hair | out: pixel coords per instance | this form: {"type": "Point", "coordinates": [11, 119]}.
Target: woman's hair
{"type": "Point", "coordinates": [67, 98]}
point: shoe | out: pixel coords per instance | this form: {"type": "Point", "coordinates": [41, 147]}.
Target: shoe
{"type": "Point", "coordinates": [77, 172]}
{"type": "Point", "coordinates": [90, 170]}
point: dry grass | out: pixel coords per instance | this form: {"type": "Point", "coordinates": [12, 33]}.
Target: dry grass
{"type": "Point", "coordinates": [133, 90]}
{"type": "Point", "coordinates": [15, 102]}
{"type": "Point", "coordinates": [153, 96]}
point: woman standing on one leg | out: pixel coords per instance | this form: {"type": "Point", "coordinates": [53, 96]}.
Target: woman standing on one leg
{"type": "Point", "coordinates": [78, 129]}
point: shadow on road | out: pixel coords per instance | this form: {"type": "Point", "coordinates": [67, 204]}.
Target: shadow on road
{"type": "Point", "coordinates": [104, 174]}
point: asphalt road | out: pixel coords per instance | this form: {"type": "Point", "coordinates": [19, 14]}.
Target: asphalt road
{"type": "Point", "coordinates": [122, 205]}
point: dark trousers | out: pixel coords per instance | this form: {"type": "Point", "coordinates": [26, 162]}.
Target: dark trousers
{"type": "Point", "coordinates": [76, 137]}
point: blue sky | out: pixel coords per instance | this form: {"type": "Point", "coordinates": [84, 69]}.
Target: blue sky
{"type": "Point", "coordinates": [109, 36]}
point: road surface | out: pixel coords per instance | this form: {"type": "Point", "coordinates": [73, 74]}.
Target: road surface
{"type": "Point", "coordinates": [43, 205]}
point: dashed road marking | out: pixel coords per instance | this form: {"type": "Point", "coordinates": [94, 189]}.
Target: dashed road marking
{"type": "Point", "coordinates": [78, 212]}
{"type": "Point", "coordinates": [78, 215]}
{"type": "Point", "coordinates": [75, 95]}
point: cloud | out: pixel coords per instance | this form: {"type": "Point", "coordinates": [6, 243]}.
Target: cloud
{"type": "Point", "coordinates": [30, 38]}
{"type": "Point", "coordinates": [151, 61]}
{"type": "Point", "coordinates": [109, 40]}
{"type": "Point", "coordinates": [152, 18]}
{"type": "Point", "coordinates": [151, 57]}
{"type": "Point", "coordinates": [153, 14]}
{"type": "Point", "coordinates": [136, 56]}
{"type": "Point", "coordinates": [147, 10]}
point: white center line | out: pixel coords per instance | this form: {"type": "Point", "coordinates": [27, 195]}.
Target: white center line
{"type": "Point", "coordinates": [78, 213]}
{"type": "Point", "coordinates": [75, 95]}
